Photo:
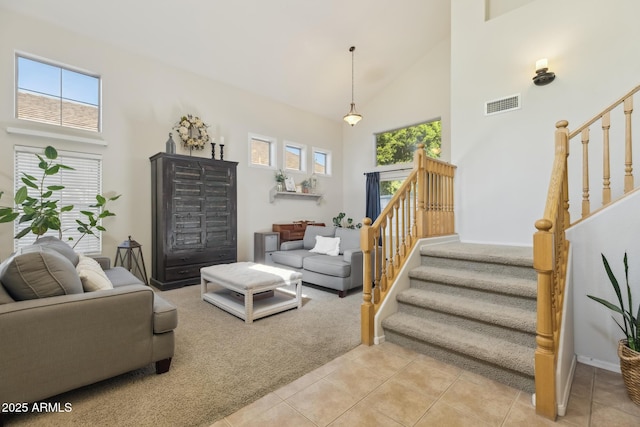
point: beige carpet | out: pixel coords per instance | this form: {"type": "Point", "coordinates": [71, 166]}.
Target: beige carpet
{"type": "Point", "coordinates": [220, 365]}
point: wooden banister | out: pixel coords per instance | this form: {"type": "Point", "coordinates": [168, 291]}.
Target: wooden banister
{"type": "Point", "coordinates": [421, 207]}
{"type": "Point", "coordinates": [550, 246]}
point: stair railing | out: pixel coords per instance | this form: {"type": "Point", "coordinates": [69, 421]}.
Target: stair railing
{"type": "Point", "coordinates": [423, 206]}
{"type": "Point", "coordinates": [550, 246]}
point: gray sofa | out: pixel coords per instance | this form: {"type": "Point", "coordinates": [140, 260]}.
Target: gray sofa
{"type": "Point", "coordinates": [340, 272]}
{"type": "Point", "coordinates": [57, 337]}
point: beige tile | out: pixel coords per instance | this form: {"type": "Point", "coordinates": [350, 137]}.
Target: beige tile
{"type": "Point", "coordinates": [489, 401]}
{"type": "Point", "coordinates": [221, 423]}
{"type": "Point", "coordinates": [490, 386]}
{"type": "Point", "coordinates": [364, 416]}
{"type": "Point", "coordinates": [522, 413]}
{"type": "Point", "coordinates": [578, 411]}
{"type": "Point", "coordinates": [355, 378]}
{"type": "Point", "coordinates": [606, 416]}
{"type": "Point", "coordinates": [399, 402]}
{"type": "Point", "coordinates": [383, 363]}
{"type": "Point", "coordinates": [398, 350]}
{"type": "Point", "coordinates": [281, 415]}
{"type": "Point", "coordinates": [297, 385]}
{"type": "Point", "coordinates": [358, 351]}
{"type": "Point", "coordinates": [609, 390]}
{"type": "Point", "coordinates": [441, 414]}
{"type": "Point", "coordinates": [253, 410]}
{"type": "Point", "coordinates": [322, 402]}
{"type": "Point", "coordinates": [425, 376]}
{"type": "Point", "coordinates": [326, 369]}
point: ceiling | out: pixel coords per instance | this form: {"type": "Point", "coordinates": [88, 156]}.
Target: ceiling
{"type": "Point", "coordinates": [293, 51]}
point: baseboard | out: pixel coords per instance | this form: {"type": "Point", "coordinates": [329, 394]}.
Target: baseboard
{"type": "Point", "coordinates": [378, 340]}
{"type": "Point", "coordinates": [599, 363]}
{"type": "Point", "coordinates": [563, 400]}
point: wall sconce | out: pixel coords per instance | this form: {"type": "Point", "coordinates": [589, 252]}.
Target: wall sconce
{"type": "Point", "coordinates": [543, 75]}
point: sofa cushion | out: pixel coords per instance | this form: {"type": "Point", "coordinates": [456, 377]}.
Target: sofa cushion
{"type": "Point", "coordinates": [312, 231]}
{"type": "Point", "coordinates": [292, 258]}
{"type": "Point", "coordinates": [326, 245]}
{"type": "Point", "coordinates": [38, 272]}
{"type": "Point", "coordinates": [59, 246]}
{"type": "Point", "coordinates": [91, 275]}
{"type": "Point", "coordinates": [329, 265]}
{"type": "Point", "coordinates": [120, 276]}
{"type": "Point", "coordinates": [349, 238]}
{"type": "Point", "coordinates": [5, 298]}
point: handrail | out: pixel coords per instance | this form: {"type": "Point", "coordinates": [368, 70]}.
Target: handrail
{"type": "Point", "coordinates": [551, 247]}
{"type": "Point", "coordinates": [421, 207]}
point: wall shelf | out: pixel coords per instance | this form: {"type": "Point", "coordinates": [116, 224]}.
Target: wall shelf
{"type": "Point", "coordinates": [274, 194]}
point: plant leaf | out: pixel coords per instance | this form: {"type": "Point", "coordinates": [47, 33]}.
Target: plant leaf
{"type": "Point", "coordinates": [55, 187]}
{"type": "Point", "coordinates": [50, 152]}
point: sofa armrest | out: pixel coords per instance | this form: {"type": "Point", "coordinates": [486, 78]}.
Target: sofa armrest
{"type": "Point", "coordinates": [291, 245]}
{"type": "Point", "coordinates": [354, 257]}
{"type": "Point", "coordinates": [104, 261]}
{"type": "Point", "coordinates": [73, 340]}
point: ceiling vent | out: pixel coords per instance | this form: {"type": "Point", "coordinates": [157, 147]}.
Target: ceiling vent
{"type": "Point", "coordinates": [502, 105]}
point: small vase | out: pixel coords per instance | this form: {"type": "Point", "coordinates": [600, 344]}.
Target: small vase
{"type": "Point", "coordinates": [170, 146]}
{"type": "Point", "coordinates": [280, 187]}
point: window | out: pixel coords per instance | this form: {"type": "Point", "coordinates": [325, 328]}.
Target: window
{"type": "Point", "coordinates": [262, 151]}
{"type": "Point", "coordinates": [397, 146]}
{"type": "Point", "coordinates": [81, 187]}
{"type": "Point", "coordinates": [57, 95]}
{"type": "Point", "coordinates": [321, 162]}
{"type": "Point", "coordinates": [295, 157]}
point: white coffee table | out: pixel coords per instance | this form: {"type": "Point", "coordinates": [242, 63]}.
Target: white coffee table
{"type": "Point", "coordinates": [249, 279]}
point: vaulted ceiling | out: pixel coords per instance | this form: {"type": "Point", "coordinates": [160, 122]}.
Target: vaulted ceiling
{"type": "Point", "coordinates": [293, 51]}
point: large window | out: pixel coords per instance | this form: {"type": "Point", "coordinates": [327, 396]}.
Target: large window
{"type": "Point", "coordinates": [397, 146]}
{"type": "Point", "coordinates": [81, 187]}
{"type": "Point", "coordinates": [57, 95]}
{"type": "Point", "coordinates": [262, 151]}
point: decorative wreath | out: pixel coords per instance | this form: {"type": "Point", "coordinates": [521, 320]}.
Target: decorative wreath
{"type": "Point", "coordinates": [193, 132]}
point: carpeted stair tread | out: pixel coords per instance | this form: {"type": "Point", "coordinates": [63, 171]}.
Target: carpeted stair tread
{"type": "Point", "coordinates": [495, 351]}
{"type": "Point", "coordinates": [505, 316]}
{"type": "Point", "coordinates": [477, 280]}
{"type": "Point", "coordinates": [496, 254]}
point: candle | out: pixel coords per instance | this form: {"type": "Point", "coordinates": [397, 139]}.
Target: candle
{"type": "Point", "coordinates": [541, 64]}
{"type": "Point", "coordinates": [222, 140]}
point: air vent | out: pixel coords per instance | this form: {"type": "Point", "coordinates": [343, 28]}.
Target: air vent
{"type": "Point", "coordinates": [502, 105]}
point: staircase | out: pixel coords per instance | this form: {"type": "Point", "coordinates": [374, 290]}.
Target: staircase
{"type": "Point", "coordinates": [473, 306]}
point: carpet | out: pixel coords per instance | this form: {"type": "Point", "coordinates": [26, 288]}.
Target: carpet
{"type": "Point", "coordinates": [220, 365]}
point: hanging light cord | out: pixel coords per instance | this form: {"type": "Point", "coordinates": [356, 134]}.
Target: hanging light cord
{"type": "Point", "coordinates": [351, 49]}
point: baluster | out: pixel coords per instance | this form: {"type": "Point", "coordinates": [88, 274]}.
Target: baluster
{"type": "Point", "coordinates": [390, 271]}
{"type": "Point", "coordinates": [585, 173]}
{"type": "Point", "coordinates": [628, 161]}
{"type": "Point", "coordinates": [375, 260]}
{"type": "Point", "coordinates": [383, 255]}
{"type": "Point", "coordinates": [403, 245]}
{"type": "Point", "coordinates": [414, 230]}
{"type": "Point", "coordinates": [606, 164]}
{"type": "Point", "coordinates": [396, 258]}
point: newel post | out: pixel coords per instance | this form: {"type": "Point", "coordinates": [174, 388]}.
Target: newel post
{"type": "Point", "coordinates": [545, 357]}
{"type": "Point", "coordinates": [366, 309]}
{"type": "Point", "coordinates": [419, 160]}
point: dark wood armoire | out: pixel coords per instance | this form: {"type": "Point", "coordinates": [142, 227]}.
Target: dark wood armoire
{"type": "Point", "coordinates": [193, 218]}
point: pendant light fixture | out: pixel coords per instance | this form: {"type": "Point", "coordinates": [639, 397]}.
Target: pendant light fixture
{"type": "Point", "coordinates": [352, 117]}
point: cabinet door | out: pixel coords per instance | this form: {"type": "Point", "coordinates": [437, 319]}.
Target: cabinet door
{"type": "Point", "coordinates": [220, 206]}
{"type": "Point", "coordinates": [186, 205]}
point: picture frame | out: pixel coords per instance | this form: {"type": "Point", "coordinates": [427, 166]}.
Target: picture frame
{"type": "Point", "coordinates": [290, 184]}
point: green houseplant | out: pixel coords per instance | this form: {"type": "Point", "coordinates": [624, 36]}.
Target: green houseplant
{"type": "Point", "coordinates": [339, 221]}
{"type": "Point", "coordinates": [41, 211]}
{"type": "Point", "coordinates": [629, 347]}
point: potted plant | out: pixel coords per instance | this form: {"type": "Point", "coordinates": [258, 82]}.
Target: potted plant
{"type": "Point", "coordinates": [339, 221]}
{"type": "Point", "coordinates": [280, 178]}
{"type": "Point", "coordinates": [306, 185]}
{"type": "Point", "coordinates": [629, 347]}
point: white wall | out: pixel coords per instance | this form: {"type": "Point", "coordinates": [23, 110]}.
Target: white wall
{"type": "Point", "coordinates": [504, 161]}
{"type": "Point", "coordinates": [143, 99]}
{"type": "Point", "coordinates": [611, 232]}
{"type": "Point", "coordinates": [420, 94]}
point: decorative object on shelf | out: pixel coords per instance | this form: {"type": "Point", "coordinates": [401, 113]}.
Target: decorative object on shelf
{"type": "Point", "coordinates": [193, 132]}
{"type": "Point", "coordinates": [170, 146]}
{"type": "Point", "coordinates": [129, 256]}
{"type": "Point", "coordinates": [280, 178]}
{"type": "Point", "coordinates": [213, 150]}
{"type": "Point", "coordinates": [221, 151]}
{"type": "Point", "coordinates": [543, 75]}
{"type": "Point", "coordinates": [339, 221]}
{"type": "Point", "coordinates": [629, 347]}
{"type": "Point", "coordinates": [306, 185]}
{"type": "Point", "coordinates": [313, 181]}
{"type": "Point", "coordinates": [289, 184]}
{"type": "Point", "coordinates": [352, 117]}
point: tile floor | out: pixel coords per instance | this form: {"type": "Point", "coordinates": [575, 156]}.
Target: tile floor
{"type": "Point", "coordinates": [410, 389]}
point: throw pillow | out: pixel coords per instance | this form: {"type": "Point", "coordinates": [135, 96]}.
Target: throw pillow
{"type": "Point", "coordinates": [92, 276]}
{"type": "Point", "coordinates": [327, 245]}
{"type": "Point", "coordinates": [51, 242]}
{"type": "Point", "coordinates": [39, 272]}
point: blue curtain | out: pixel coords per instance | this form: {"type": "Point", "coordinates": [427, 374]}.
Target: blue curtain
{"type": "Point", "coordinates": [373, 195]}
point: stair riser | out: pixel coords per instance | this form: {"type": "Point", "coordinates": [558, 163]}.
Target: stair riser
{"type": "Point", "coordinates": [496, 298]}
{"type": "Point", "coordinates": [489, 370]}
{"type": "Point", "coordinates": [497, 269]}
{"type": "Point", "coordinates": [497, 331]}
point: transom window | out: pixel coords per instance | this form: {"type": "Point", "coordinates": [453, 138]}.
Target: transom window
{"type": "Point", "coordinates": [294, 157]}
{"type": "Point", "coordinates": [321, 161]}
{"type": "Point", "coordinates": [262, 151]}
{"type": "Point", "coordinates": [57, 95]}
{"type": "Point", "coordinates": [82, 184]}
